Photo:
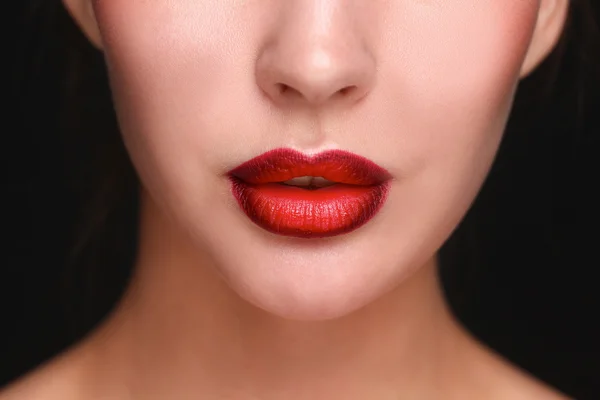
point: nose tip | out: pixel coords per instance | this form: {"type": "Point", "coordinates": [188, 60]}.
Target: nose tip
{"type": "Point", "coordinates": [314, 75]}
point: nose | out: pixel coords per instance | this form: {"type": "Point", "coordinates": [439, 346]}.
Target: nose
{"type": "Point", "coordinates": [314, 56]}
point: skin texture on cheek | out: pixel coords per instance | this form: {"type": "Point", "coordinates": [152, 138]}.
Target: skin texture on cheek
{"type": "Point", "coordinates": [177, 68]}
{"type": "Point", "coordinates": [454, 63]}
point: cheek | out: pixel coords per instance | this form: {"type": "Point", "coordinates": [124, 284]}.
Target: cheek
{"type": "Point", "coordinates": [448, 85]}
{"type": "Point", "coordinates": [450, 81]}
{"type": "Point", "coordinates": [171, 65]}
{"type": "Point", "coordinates": [157, 46]}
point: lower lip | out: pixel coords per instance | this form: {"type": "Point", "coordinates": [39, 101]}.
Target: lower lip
{"type": "Point", "coordinates": [325, 212]}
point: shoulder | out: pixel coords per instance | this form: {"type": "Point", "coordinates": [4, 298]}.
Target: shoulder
{"type": "Point", "coordinates": [505, 380]}
{"type": "Point", "coordinates": [59, 379]}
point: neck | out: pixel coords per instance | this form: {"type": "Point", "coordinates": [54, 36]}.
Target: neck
{"type": "Point", "coordinates": [181, 330]}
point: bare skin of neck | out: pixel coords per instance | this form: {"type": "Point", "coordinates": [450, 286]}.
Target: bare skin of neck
{"type": "Point", "coordinates": [181, 333]}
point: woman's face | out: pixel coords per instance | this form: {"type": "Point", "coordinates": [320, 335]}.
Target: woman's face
{"type": "Point", "coordinates": [422, 89]}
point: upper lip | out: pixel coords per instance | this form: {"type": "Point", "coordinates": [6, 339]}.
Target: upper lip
{"type": "Point", "coordinates": [338, 166]}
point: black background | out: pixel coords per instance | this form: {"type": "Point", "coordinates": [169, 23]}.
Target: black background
{"type": "Point", "coordinates": [534, 295]}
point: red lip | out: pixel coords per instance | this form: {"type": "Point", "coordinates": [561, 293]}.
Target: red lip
{"type": "Point", "coordinates": [359, 192]}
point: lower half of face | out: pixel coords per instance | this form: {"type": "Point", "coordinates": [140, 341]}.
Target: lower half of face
{"type": "Point", "coordinates": [421, 89]}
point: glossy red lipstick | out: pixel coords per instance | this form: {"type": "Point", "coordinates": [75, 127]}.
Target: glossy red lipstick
{"type": "Point", "coordinates": [350, 192]}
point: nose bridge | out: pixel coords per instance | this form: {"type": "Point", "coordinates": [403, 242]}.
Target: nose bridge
{"type": "Point", "coordinates": [315, 55]}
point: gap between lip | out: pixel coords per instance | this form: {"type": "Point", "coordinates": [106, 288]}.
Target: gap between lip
{"type": "Point", "coordinates": [336, 185]}
{"type": "Point", "coordinates": [309, 182]}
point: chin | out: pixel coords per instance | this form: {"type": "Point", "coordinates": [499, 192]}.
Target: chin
{"type": "Point", "coordinates": [320, 280]}
{"type": "Point", "coordinates": [318, 302]}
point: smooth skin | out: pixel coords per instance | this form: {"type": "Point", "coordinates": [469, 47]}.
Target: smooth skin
{"type": "Point", "coordinates": [220, 309]}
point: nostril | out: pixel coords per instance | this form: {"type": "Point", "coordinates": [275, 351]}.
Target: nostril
{"type": "Point", "coordinates": [282, 88]}
{"type": "Point", "coordinates": [287, 90]}
{"type": "Point", "coordinates": [347, 90]}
